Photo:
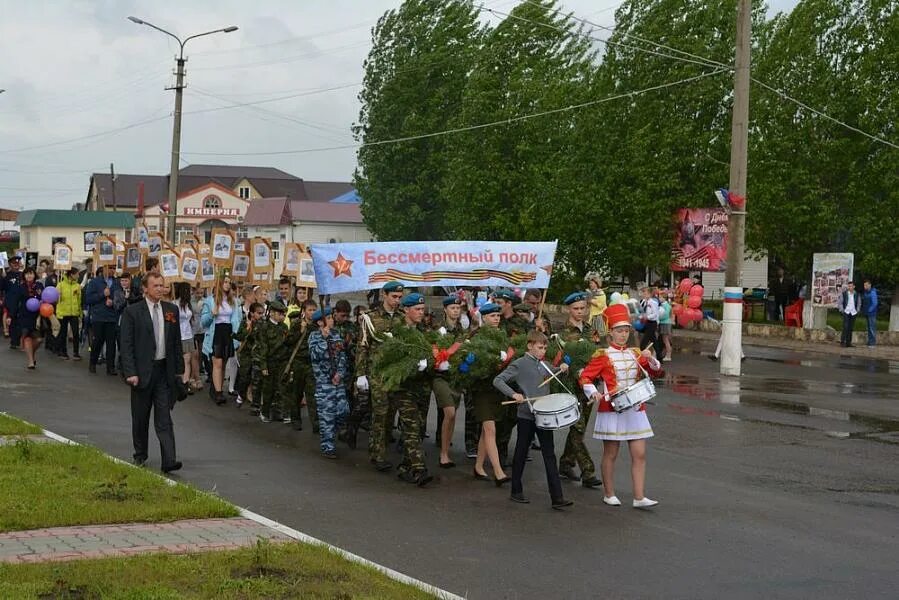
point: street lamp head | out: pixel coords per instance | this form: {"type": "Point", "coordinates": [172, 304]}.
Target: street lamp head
{"type": "Point", "coordinates": [230, 29]}
{"type": "Point", "coordinates": [135, 20]}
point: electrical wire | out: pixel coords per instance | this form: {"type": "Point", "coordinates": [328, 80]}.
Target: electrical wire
{"type": "Point", "coordinates": [507, 121]}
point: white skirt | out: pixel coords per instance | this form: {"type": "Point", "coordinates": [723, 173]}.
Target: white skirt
{"type": "Point", "coordinates": [627, 425]}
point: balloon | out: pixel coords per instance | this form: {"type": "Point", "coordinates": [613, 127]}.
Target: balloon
{"type": "Point", "coordinates": [33, 305]}
{"type": "Point", "coordinates": [683, 319]}
{"type": "Point", "coordinates": [46, 310]}
{"type": "Point", "coordinates": [615, 298]}
{"type": "Point", "coordinates": [694, 301]}
{"type": "Point", "coordinates": [685, 284]}
{"type": "Point", "coordinates": [697, 290]}
{"type": "Point", "coordinates": [50, 294]}
{"type": "Point", "coordinates": [695, 314]}
{"type": "Point", "coordinates": [625, 296]}
{"type": "Point", "coordinates": [639, 325]}
{"type": "Point", "coordinates": [677, 308]}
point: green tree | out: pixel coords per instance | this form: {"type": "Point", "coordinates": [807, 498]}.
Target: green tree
{"type": "Point", "coordinates": [523, 180]}
{"type": "Point", "coordinates": [667, 148]}
{"type": "Point", "coordinates": [414, 77]}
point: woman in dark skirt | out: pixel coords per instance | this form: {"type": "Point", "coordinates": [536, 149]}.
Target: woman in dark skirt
{"type": "Point", "coordinates": [487, 410]}
{"type": "Point", "coordinates": [30, 322]}
{"type": "Point", "coordinates": [222, 315]}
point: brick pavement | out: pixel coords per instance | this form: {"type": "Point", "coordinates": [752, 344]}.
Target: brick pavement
{"type": "Point", "coordinates": [100, 541]}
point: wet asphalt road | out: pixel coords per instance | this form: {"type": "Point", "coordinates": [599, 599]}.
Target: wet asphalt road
{"type": "Point", "coordinates": [782, 484]}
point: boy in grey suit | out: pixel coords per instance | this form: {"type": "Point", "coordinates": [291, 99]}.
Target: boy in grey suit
{"type": "Point", "coordinates": [528, 372]}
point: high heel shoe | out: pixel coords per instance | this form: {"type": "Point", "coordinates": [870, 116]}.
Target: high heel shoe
{"type": "Point", "coordinates": [503, 481]}
{"type": "Point", "coordinates": [479, 476]}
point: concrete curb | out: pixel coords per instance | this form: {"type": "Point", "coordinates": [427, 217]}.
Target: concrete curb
{"type": "Point", "coordinates": [302, 537]}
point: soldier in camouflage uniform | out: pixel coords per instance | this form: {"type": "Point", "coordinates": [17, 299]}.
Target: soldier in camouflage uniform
{"type": "Point", "coordinates": [412, 401]}
{"type": "Point", "coordinates": [513, 323]}
{"type": "Point", "coordinates": [249, 380]}
{"type": "Point", "coordinates": [348, 331]}
{"type": "Point", "coordinates": [329, 365]}
{"type": "Point", "coordinates": [375, 324]}
{"type": "Point", "coordinates": [302, 383]}
{"type": "Point", "coordinates": [577, 328]}
{"type": "Point", "coordinates": [270, 356]}
{"type": "Point", "coordinates": [448, 398]}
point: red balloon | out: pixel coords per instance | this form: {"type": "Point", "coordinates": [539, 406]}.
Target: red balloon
{"type": "Point", "coordinates": [695, 314]}
{"type": "Point", "coordinates": [694, 301]}
{"type": "Point", "coordinates": [677, 308]}
{"type": "Point", "coordinates": [46, 310]}
{"type": "Point", "coordinates": [683, 319]}
{"type": "Point", "coordinates": [697, 290]}
{"type": "Point", "coordinates": [685, 284]}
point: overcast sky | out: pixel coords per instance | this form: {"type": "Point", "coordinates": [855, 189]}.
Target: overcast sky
{"type": "Point", "coordinates": [86, 87]}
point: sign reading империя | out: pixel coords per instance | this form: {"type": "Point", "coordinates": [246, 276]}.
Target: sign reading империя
{"type": "Point", "coordinates": [362, 266]}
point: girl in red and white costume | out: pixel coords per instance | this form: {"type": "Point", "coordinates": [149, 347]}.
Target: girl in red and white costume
{"type": "Point", "coordinates": [616, 368]}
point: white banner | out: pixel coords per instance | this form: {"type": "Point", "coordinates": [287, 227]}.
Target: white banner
{"type": "Point", "coordinates": [369, 265]}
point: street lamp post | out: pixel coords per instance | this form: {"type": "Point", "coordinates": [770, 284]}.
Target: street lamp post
{"type": "Point", "coordinates": [176, 129]}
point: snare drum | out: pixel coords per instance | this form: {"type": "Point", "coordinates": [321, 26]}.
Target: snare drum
{"type": "Point", "coordinates": [555, 411]}
{"type": "Point", "coordinates": [634, 395]}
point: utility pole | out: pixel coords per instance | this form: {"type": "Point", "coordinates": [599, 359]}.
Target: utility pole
{"type": "Point", "coordinates": [176, 149]}
{"type": "Point", "coordinates": [112, 183]}
{"type": "Point", "coordinates": [732, 324]}
{"type": "Point", "coordinates": [176, 129]}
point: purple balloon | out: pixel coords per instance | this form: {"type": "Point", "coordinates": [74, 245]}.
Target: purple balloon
{"type": "Point", "coordinates": [33, 305]}
{"type": "Point", "coordinates": [50, 294]}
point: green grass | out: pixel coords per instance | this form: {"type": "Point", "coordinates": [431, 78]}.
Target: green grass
{"type": "Point", "coordinates": [265, 571]}
{"type": "Point", "coordinates": [12, 426]}
{"type": "Point", "coordinates": [48, 485]}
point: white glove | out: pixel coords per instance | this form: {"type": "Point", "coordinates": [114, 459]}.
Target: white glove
{"type": "Point", "coordinates": [444, 366]}
{"type": "Point", "coordinates": [442, 331]}
{"type": "Point", "coordinates": [422, 364]}
{"type": "Point", "coordinates": [503, 356]}
{"type": "Point", "coordinates": [388, 334]}
{"type": "Point", "coordinates": [362, 383]}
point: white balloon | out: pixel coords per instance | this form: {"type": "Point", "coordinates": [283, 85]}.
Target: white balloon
{"type": "Point", "coordinates": [615, 298]}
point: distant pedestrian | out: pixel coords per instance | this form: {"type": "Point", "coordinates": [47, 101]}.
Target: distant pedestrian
{"type": "Point", "coordinates": [29, 319]}
{"type": "Point", "coordinates": [782, 289]}
{"type": "Point", "coordinates": [869, 309]}
{"type": "Point", "coordinates": [665, 324]}
{"type": "Point", "coordinates": [99, 294]}
{"type": "Point", "coordinates": [849, 306]}
{"type": "Point", "coordinates": [328, 357]}
{"type": "Point", "coordinates": [150, 342]}
{"type": "Point", "coordinates": [11, 286]}
{"type": "Point", "coordinates": [68, 309]}
{"type": "Point", "coordinates": [221, 315]}
{"type": "Point", "coordinates": [650, 318]}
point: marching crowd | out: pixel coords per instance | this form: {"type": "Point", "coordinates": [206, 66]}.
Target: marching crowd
{"type": "Point", "coordinates": [282, 352]}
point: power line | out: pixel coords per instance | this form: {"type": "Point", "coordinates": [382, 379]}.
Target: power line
{"type": "Point", "coordinates": [707, 62]}
{"type": "Point", "coordinates": [299, 57]}
{"type": "Point", "coordinates": [87, 137]}
{"type": "Point", "coordinates": [311, 92]}
{"type": "Point", "coordinates": [507, 121]}
{"type": "Point", "coordinates": [292, 40]}
{"type": "Point", "coordinates": [308, 124]}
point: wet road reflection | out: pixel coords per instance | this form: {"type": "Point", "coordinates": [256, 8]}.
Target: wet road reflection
{"type": "Point", "coordinates": [842, 397]}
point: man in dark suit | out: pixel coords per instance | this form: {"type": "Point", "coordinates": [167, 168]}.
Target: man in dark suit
{"type": "Point", "coordinates": [150, 342]}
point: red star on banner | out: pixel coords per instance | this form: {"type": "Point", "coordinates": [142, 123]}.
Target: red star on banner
{"type": "Point", "coordinates": [341, 266]}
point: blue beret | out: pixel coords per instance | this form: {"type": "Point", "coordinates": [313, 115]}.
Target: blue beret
{"type": "Point", "coordinates": [574, 297]}
{"type": "Point", "coordinates": [413, 300]}
{"type": "Point", "coordinates": [321, 313]}
{"type": "Point", "coordinates": [489, 308]}
{"type": "Point", "coordinates": [452, 300]}
{"type": "Point", "coordinates": [506, 295]}
{"type": "Point", "coordinates": [392, 286]}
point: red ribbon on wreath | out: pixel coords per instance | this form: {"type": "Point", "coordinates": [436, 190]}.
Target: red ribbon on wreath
{"type": "Point", "coordinates": [443, 355]}
{"type": "Point", "coordinates": [510, 354]}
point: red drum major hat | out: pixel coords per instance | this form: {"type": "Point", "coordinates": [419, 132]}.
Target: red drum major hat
{"type": "Point", "coordinates": [617, 315]}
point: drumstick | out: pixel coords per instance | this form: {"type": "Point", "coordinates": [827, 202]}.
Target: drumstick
{"type": "Point", "coordinates": [513, 402]}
